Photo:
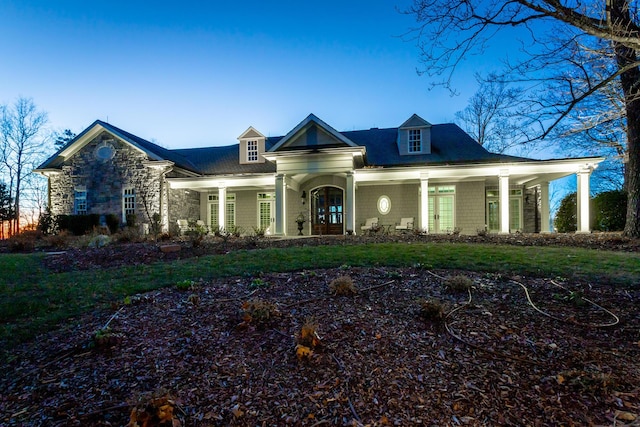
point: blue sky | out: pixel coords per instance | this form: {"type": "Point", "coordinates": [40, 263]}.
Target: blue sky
{"type": "Point", "coordinates": [190, 73]}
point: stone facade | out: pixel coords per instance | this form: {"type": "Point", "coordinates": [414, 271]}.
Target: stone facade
{"type": "Point", "coordinates": [104, 180]}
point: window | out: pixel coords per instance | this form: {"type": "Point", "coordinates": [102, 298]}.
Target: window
{"type": "Point", "coordinates": [128, 202]}
{"type": "Point", "coordinates": [515, 209]}
{"type": "Point", "coordinates": [230, 211]}
{"type": "Point", "coordinates": [384, 205]}
{"type": "Point", "coordinates": [80, 201]}
{"type": "Point", "coordinates": [442, 209]}
{"type": "Point", "coordinates": [415, 141]}
{"type": "Point", "coordinates": [252, 151]}
{"type": "Point", "coordinates": [266, 208]}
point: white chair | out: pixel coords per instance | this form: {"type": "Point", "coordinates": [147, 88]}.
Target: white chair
{"type": "Point", "coordinates": [371, 224]}
{"type": "Point", "coordinates": [405, 224]}
{"type": "Point", "coordinates": [183, 226]}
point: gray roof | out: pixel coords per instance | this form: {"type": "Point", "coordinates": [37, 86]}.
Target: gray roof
{"type": "Point", "coordinates": [449, 145]}
{"type": "Point", "coordinates": [226, 160]}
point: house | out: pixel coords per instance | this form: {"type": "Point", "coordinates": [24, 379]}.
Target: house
{"type": "Point", "coordinates": [434, 173]}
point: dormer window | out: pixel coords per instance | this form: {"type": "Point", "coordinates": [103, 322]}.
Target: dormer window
{"type": "Point", "coordinates": [415, 141]}
{"type": "Point", "coordinates": [252, 147]}
{"type": "Point", "coordinates": [252, 151]}
{"type": "Point", "coordinates": [414, 137]}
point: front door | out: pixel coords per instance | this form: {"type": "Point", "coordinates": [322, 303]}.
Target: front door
{"type": "Point", "coordinates": [327, 210]}
{"type": "Point", "coordinates": [266, 208]}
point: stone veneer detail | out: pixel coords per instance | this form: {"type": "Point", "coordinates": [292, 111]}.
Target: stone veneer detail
{"type": "Point", "coordinates": [104, 180]}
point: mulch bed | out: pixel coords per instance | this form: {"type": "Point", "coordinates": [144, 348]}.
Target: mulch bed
{"type": "Point", "coordinates": [511, 351]}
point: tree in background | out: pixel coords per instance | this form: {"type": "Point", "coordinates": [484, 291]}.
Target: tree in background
{"type": "Point", "coordinates": [22, 145]}
{"type": "Point", "coordinates": [552, 62]}
{"type": "Point", "coordinates": [489, 118]}
{"type": "Point", "coordinates": [6, 207]}
{"type": "Point", "coordinates": [609, 207]}
{"type": "Point", "coordinates": [60, 139]}
{"type": "Point", "coordinates": [566, 219]}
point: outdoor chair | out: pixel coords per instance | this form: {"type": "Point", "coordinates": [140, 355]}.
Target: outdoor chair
{"type": "Point", "coordinates": [370, 225]}
{"type": "Point", "coordinates": [406, 224]}
{"type": "Point", "coordinates": [183, 226]}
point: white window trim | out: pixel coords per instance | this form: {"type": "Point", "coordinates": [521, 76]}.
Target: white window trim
{"type": "Point", "coordinates": [125, 198]}
{"type": "Point", "coordinates": [512, 196]}
{"type": "Point", "coordinates": [75, 200]}
{"type": "Point", "coordinates": [411, 141]}
{"type": "Point", "coordinates": [213, 199]}
{"type": "Point", "coordinates": [252, 151]}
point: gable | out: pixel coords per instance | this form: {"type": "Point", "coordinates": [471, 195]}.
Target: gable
{"type": "Point", "coordinates": [415, 121]}
{"type": "Point", "coordinates": [153, 151]}
{"type": "Point", "coordinates": [312, 133]}
{"type": "Point", "coordinates": [314, 137]}
{"type": "Point", "coordinates": [251, 133]}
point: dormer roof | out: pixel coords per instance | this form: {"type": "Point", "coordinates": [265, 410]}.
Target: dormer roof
{"type": "Point", "coordinates": [415, 122]}
{"type": "Point", "coordinates": [251, 133]}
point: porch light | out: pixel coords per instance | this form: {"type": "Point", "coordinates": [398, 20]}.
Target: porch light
{"type": "Point", "coordinates": [303, 198]}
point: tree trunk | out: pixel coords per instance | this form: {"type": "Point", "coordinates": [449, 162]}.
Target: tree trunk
{"type": "Point", "coordinates": [630, 82]}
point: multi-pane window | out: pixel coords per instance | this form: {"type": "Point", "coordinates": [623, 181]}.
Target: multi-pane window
{"type": "Point", "coordinates": [252, 151]}
{"type": "Point", "coordinates": [230, 211]}
{"type": "Point", "coordinates": [415, 141]}
{"type": "Point", "coordinates": [128, 202]}
{"type": "Point", "coordinates": [80, 201]}
{"type": "Point", "coordinates": [515, 209]}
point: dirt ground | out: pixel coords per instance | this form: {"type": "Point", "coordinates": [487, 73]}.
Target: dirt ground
{"type": "Point", "coordinates": [407, 348]}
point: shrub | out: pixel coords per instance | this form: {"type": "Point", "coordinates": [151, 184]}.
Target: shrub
{"type": "Point", "coordinates": [185, 285]}
{"type": "Point", "coordinates": [458, 283]}
{"type": "Point", "coordinates": [113, 222]}
{"type": "Point", "coordinates": [48, 223]}
{"type": "Point", "coordinates": [258, 283]}
{"type": "Point", "coordinates": [105, 337]}
{"type": "Point", "coordinates": [610, 210]}
{"type": "Point", "coordinates": [78, 224]}
{"type": "Point", "coordinates": [431, 309]}
{"type": "Point", "coordinates": [129, 234]}
{"type": "Point", "coordinates": [259, 312]}
{"type": "Point", "coordinates": [59, 240]}
{"type": "Point", "coordinates": [342, 285]}
{"type": "Point", "coordinates": [24, 241]}
{"type": "Point", "coordinates": [131, 220]}
{"type": "Point", "coordinates": [195, 233]}
{"type": "Point", "coordinates": [566, 220]}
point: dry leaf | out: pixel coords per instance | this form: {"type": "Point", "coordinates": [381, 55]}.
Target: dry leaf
{"type": "Point", "coordinates": [625, 416]}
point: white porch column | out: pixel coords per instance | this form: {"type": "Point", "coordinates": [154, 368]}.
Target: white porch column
{"type": "Point", "coordinates": [222, 207]}
{"type": "Point", "coordinates": [544, 207]}
{"type": "Point", "coordinates": [424, 202]}
{"type": "Point", "coordinates": [583, 198]}
{"type": "Point", "coordinates": [281, 205]}
{"type": "Point", "coordinates": [350, 205]}
{"type": "Point", "coordinates": [504, 201]}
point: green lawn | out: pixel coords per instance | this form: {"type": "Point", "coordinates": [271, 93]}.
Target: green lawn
{"type": "Point", "coordinates": [33, 299]}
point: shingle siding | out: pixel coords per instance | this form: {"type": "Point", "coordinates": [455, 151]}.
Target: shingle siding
{"type": "Point", "coordinates": [470, 207]}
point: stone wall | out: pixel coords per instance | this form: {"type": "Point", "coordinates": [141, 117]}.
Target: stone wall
{"type": "Point", "coordinates": [183, 204]}
{"type": "Point", "coordinates": [105, 179]}
{"type": "Point", "coordinates": [531, 205]}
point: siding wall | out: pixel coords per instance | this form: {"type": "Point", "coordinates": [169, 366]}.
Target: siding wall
{"type": "Point", "coordinates": [404, 198]}
{"type": "Point", "coordinates": [470, 207]}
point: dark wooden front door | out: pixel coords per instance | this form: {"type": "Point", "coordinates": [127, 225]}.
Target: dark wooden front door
{"type": "Point", "coordinates": [327, 210]}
